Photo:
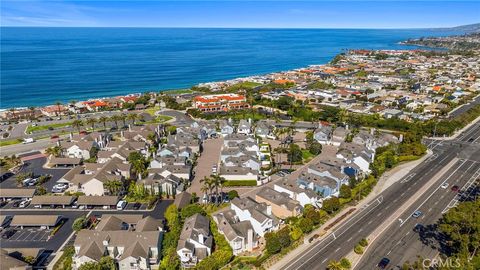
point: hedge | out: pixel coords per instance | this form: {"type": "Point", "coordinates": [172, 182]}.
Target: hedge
{"type": "Point", "coordinates": [236, 183]}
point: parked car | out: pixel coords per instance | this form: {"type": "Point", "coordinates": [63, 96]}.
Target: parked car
{"type": "Point", "coordinates": [16, 204]}
{"type": "Point", "coordinates": [7, 234]}
{"type": "Point", "coordinates": [444, 185]}
{"type": "Point", "coordinates": [418, 228]}
{"type": "Point", "coordinates": [417, 214]}
{"type": "Point", "coordinates": [28, 140]}
{"type": "Point", "coordinates": [455, 188]}
{"type": "Point", "coordinates": [214, 169]}
{"type": "Point", "coordinates": [383, 263]}
{"type": "Point", "coordinates": [24, 203]}
{"type": "Point", "coordinates": [137, 206]}
{"type": "Point", "coordinates": [59, 188]}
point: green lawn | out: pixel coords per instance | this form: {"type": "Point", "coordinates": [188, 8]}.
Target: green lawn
{"type": "Point", "coordinates": [306, 155]}
{"type": "Point", "coordinates": [31, 128]}
{"type": "Point", "coordinates": [152, 110]}
{"type": "Point", "coordinates": [159, 119]}
{"type": "Point", "coordinates": [10, 142]}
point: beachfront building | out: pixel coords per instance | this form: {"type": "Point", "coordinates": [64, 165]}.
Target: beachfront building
{"type": "Point", "coordinates": [221, 102]}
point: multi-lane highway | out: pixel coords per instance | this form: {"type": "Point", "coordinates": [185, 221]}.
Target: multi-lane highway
{"type": "Point", "coordinates": [454, 161]}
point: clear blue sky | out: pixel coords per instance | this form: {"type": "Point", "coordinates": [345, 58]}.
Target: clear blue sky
{"type": "Point", "coordinates": [274, 14]}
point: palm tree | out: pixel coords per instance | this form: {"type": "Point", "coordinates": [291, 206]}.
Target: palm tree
{"type": "Point", "coordinates": [207, 185]}
{"type": "Point", "coordinates": [58, 107]}
{"type": "Point", "coordinates": [55, 151]}
{"type": "Point", "coordinates": [132, 117]}
{"type": "Point", "coordinates": [217, 182]}
{"type": "Point", "coordinates": [77, 124]}
{"type": "Point", "coordinates": [115, 119]}
{"type": "Point", "coordinates": [32, 112]}
{"type": "Point", "coordinates": [334, 265]}
{"type": "Point", "coordinates": [123, 117]}
{"type": "Point", "coordinates": [103, 120]}
{"type": "Point", "coordinates": [113, 186]}
{"type": "Point", "coordinates": [91, 121]}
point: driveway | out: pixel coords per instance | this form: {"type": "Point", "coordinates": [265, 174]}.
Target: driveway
{"type": "Point", "coordinates": [209, 157]}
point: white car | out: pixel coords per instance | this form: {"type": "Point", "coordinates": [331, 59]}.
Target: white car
{"type": "Point", "coordinates": [444, 185]}
{"type": "Point", "coordinates": [24, 204]}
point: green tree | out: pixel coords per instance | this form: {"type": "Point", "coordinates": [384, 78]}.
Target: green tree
{"type": "Point", "coordinates": [305, 224]}
{"type": "Point", "coordinates": [284, 236]}
{"type": "Point", "coordinates": [334, 265]}
{"type": "Point", "coordinates": [315, 148]}
{"type": "Point", "coordinates": [311, 213]}
{"type": "Point", "coordinates": [55, 151]}
{"type": "Point", "coordinates": [78, 124]}
{"type": "Point", "coordinates": [139, 163]}
{"type": "Point", "coordinates": [296, 233]}
{"type": "Point", "coordinates": [29, 259]}
{"type": "Point", "coordinates": [103, 120]}
{"type": "Point", "coordinates": [232, 194]}
{"type": "Point", "coordinates": [91, 121]}
{"type": "Point", "coordinates": [113, 186]}
{"type": "Point", "coordinates": [273, 244]}
{"type": "Point", "coordinates": [294, 154]}
{"type": "Point", "coordinates": [191, 210]}
{"type": "Point", "coordinates": [79, 223]}
{"type": "Point", "coordinates": [345, 192]}
{"type": "Point", "coordinates": [345, 263]}
{"type": "Point", "coordinates": [331, 205]}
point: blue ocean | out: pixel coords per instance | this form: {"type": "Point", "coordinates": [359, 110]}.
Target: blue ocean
{"type": "Point", "coordinates": [41, 66]}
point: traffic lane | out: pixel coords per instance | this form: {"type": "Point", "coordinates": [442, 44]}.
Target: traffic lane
{"type": "Point", "coordinates": [342, 245]}
{"type": "Point", "coordinates": [20, 148]}
{"type": "Point", "coordinates": [323, 246]}
{"type": "Point", "coordinates": [400, 235]}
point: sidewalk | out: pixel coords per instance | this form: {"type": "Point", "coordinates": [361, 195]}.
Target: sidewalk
{"type": "Point", "coordinates": [389, 178]}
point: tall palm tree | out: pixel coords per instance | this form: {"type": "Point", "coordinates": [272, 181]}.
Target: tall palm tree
{"type": "Point", "coordinates": [58, 103]}
{"type": "Point", "coordinates": [113, 186]}
{"type": "Point", "coordinates": [217, 182]}
{"type": "Point", "coordinates": [123, 117]}
{"type": "Point", "coordinates": [91, 121]}
{"type": "Point", "coordinates": [208, 185]}
{"type": "Point", "coordinates": [132, 117]}
{"type": "Point", "coordinates": [32, 112]}
{"type": "Point", "coordinates": [103, 120]}
{"type": "Point", "coordinates": [115, 119]}
{"type": "Point", "coordinates": [77, 124]}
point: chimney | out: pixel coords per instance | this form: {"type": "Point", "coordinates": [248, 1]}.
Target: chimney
{"type": "Point", "coordinates": [200, 238]}
{"type": "Point", "coordinates": [401, 138]}
{"type": "Point", "coordinates": [372, 131]}
{"type": "Point", "coordinates": [346, 127]}
{"type": "Point", "coordinates": [269, 210]}
{"type": "Point", "coordinates": [250, 240]}
{"type": "Point", "coordinates": [58, 143]}
{"type": "Point", "coordinates": [71, 136]}
{"type": "Point", "coordinates": [129, 127]}
{"type": "Point", "coordinates": [249, 120]}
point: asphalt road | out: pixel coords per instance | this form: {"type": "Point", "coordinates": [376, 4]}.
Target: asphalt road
{"type": "Point", "coordinates": [465, 107]}
{"type": "Point", "coordinates": [342, 241]}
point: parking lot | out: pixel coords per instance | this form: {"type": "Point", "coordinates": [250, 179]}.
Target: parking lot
{"type": "Point", "coordinates": [35, 165]}
{"type": "Point", "coordinates": [31, 234]}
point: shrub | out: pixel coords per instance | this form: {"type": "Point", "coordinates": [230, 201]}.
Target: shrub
{"type": "Point", "coordinates": [232, 194]}
{"type": "Point", "coordinates": [363, 242]}
{"type": "Point", "coordinates": [79, 223]}
{"type": "Point", "coordinates": [331, 205]}
{"type": "Point", "coordinates": [191, 210]}
{"type": "Point", "coordinates": [238, 183]}
{"type": "Point", "coordinates": [345, 263]}
{"type": "Point", "coordinates": [358, 249]}
{"type": "Point", "coordinates": [305, 224]}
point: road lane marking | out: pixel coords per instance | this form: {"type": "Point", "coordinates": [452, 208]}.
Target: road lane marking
{"type": "Point", "coordinates": [325, 260]}
{"type": "Point", "coordinates": [349, 239]}
{"type": "Point", "coordinates": [336, 250]}
{"type": "Point", "coordinates": [431, 194]}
